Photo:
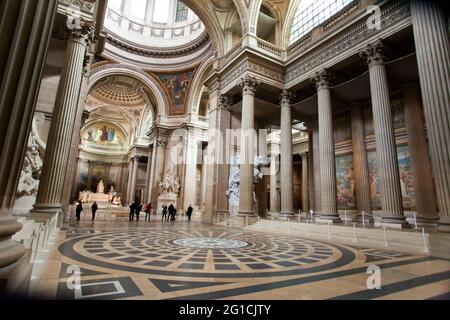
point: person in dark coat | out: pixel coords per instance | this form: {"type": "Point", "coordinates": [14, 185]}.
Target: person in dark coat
{"type": "Point", "coordinates": [164, 213]}
{"type": "Point", "coordinates": [78, 211]}
{"type": "Point", "coordinates": [132, 209]}
{"type": "Point", "coordinates": [189, 212]}
{"type": "Point", "coordinates": [138, 211]}
{"type": "Point", "coordinates": [94, 210]}
{"type": "Point", "coordinates": [148, 212]}
{"type": "Point", "coordinates": [172, 212]}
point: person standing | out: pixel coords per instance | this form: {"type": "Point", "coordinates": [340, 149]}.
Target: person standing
{"type": "Point", "coordinates": [172, 212]}
{"type": "Point", "coordinates": [94, 210]}
{"type": "Point", "coordinates": [138, 211]}
{"type": "Point", "coordinates": [148, 212]}
{"type": "Point", "coordinates": [78, 211]}
{"type": "Point", "coordinates": [164, 213]}
{"type": "Point", "coordinates": [189, 212]}
{"type": "Point", "coordinates": [132, 209]}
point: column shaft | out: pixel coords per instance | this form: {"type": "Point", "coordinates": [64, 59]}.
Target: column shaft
{"type": "Point", "coordinates": [360, 163]}
{"type": "Point", "coordinates": [274, 205]}
{"type": "Point", "coordinates": [420, 160]}
{"type": "Point", "coordinates": [286, 176]}
{"type": "Point", "coordinates": [305, 182]}
{"type": "Point", "coordinates": [134, 179]}
{"type": "Point", "coordinates": [316, 166]}
{"type": "Point", "coordinates": [147, 194]}
{"type": "Point", "coordinates": [190, 180]}
{"type": "Point", "coordinates": [433, 60]}
{"type": "Point", "coordinates": [49, 197]}
{"type": "Point", "coordinates": [391, 197]}
{"type": "Point", "coordinates": [130, 175]}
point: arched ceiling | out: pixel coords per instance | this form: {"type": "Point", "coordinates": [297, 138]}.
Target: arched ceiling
{"type": "Point", "coordinates": [119, 90]}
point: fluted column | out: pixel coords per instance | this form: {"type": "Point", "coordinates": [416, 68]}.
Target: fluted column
{"type": "Point", "coordinates": [274, 205]}
{"type": "Point", "coordinates": [190, 180]}
{"type": "Point", "coordinates": [329, 210]}
{"type": "Point", "coordinates": [420, 159]}
{"type": "Point", "coordinates": [130, 174]}
{"type": "Point", "coordinates": [106, 176]}
{"type": "Point", "coordinates": [159, 157]}
{"type": "Point", "coordinates": [433, 60]}
{"type": "Point", "coordinates": [312, 202]}
{"type": "Point", "coordinates": [49, 196]}
{"type": "Point", "coordinates": [248, 145]}
{"type": "Point", "coordinates": [360, 163]}
{"type": "Point", "coordinates": [391, 196]}
{"type": "Point", "coordinates": [286, 177]}
{"type": "Point", "coordinates": [316, 165]}
{"type": "Point", "coordinates": [25, 30]}
{"type": "Point", "coordinates": [305, 182]}
{"type": "Point", "coordinates": [147, 177]}
{"type": "Point", "coordinates": [134, 179]}
{"type": "Point", "coordinates": [91, 165]}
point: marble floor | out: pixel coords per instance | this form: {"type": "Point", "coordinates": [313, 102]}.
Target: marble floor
{"type": "Point", "coordinates": [118, 259]}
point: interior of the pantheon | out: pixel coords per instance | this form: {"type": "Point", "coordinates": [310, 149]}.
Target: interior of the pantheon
{"type": "Point", "coordinates": [261, 115]}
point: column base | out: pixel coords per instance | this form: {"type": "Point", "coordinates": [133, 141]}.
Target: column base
{"type": "Point", "coordinates": [242, 220]}
{"type": "Point", "coordinates": [286, 214]}
{"type": "Point", "coordinates": [398, 222]}
{"type": "Point", "coordinates": [367, 218]}
{"type": "Point", "coordinates": [44, 212]}
{"type": "Point", "coordinates": [15, 278]}
{"type": "Point", "coordinates": [326, 217]}
{"type": "Point", "coordinates": [426, 222]}
{"type": "Point", "coordinates": [444, 224]}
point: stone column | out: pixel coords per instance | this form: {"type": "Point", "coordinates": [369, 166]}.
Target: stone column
{"type": "Point", "coordinates": [157, 174]}
{"type": "Point", "coordinates": [420, 159]}
{"type": "Point", "coordinates": [190, 180]}
{"type": "Point", "coordinates": [217, 167]}
{"type": "Point", "coordinates": [248, 145]}
{"type": "Point", "coordinates": [326, 148]}
{"type": "Point", "coordinates": [391, 196]}
{"type": "Point", "coordinates": [286, 176]}
{"type": "Point", "coordinates": [361, 167]}
{"type": "Point", "coordinates": [49, 196]}
{"type": "Point", "coordinates": [305, 182]}
{"type": "Point", "coordinates": [433, 60]}
{"type": "Point", "coordinates": [130, 174]}
{"type": "Point", "coordinates": [261, 186]}
{"type": "Point", "coordinates": [106, 176]}
{"type": "Point", "coordinates": [25, 30]}
{"type": "Point", "coordinates": [274, 206]}
{"type": "Point", "coordinates": [134, 179]}
{"type": "Point", "coordinates": [316, 166]}
{"type": "Point", "coordinates": [147, 195]}
{"type": "Point", "coordinates": [312, 204]}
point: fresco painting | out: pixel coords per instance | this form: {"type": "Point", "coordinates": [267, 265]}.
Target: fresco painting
{"type": "Point", "coordinates": [345, 182]}
{"type": "Point", "coordinates": [103, 135]}
{"type": "Point", "coordinates": [404, 164]}
{"type": "Point", "coordinates": [177, 86]}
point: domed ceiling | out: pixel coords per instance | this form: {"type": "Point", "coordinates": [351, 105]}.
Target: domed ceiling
{"type": "Point", "coordinates": [119, 90]}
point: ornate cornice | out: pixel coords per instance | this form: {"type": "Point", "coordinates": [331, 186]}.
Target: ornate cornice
{"type": "Point", "coordinates": [158, 52]}
{"type": "Point", "coordinates": [373, 53]}
{"type": "Point", "coordinates": [224, 102]}
{"type": "Point", "coordinates": [322, 79]}
{"type": "Point", "coordinates": [249, 85]}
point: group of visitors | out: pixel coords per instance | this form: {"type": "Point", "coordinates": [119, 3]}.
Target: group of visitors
{"type": "Point", "coordinates": [79, 209]}
{"type": "Point", "coordinates": [136, 209]}
{"type": "Point", "coordinates": [169, 213]}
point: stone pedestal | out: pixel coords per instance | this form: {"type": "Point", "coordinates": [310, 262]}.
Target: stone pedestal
{"type": "Point", "coordinates": [167, 200]}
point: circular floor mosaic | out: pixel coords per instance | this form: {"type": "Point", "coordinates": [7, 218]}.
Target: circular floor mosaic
{"type": "Point", "coordinates": [210, 243]}
{"type": "Point", "coordinates": [211, 252]}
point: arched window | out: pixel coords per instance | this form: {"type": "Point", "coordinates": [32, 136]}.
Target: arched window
{"type": "Point", "coordinates": [138, 9]}
{"type": "Point", "coordinates": [161, 11]}
{"type": "Point", "coordinates": [182, 12]}
{"type": "Point", "coordinates": [311, 13]}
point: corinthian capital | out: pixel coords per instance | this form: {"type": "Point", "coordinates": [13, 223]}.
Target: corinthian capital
{"type": "Point", "coordinates": [322, 79]}
{"type": "Point", "coordinates": [224, 102]}
{"type": "Point", "coordinates": [373, 53]}
{"type": "Point", "coordinates": [249, 85]}
{"type": "Point", "coordinates": [286, 97]}
{"type": "Point", "coordinates": [84, 32]}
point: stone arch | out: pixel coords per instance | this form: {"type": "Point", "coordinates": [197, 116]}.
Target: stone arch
{"type": "Point", "coordinates": [275, 12]}
{"type": "Point", "coordinates": [197, 84]}
{"type": "Point", "coordinates": [161, 100]}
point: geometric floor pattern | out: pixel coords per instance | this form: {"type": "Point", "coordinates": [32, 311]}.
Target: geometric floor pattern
{"type": "Point", "coordinates": [181, 260]}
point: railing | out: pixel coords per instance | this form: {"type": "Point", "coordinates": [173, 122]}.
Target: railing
{"type": "Point", "coordinates": [232, 53]}
{"type": "Point", "coordinates": [40, 236]}
{"type": "Point", "coordinates": [267, 46]}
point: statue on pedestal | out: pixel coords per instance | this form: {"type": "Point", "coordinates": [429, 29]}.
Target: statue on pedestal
{"type": "Point", "coordinates": [101, 187]}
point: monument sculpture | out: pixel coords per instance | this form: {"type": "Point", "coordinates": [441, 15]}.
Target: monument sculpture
{"type": "Point", "coordinates": [101, 187]}
{"type": "Point", "coordinates": [234, 181]}
{"type": "Point", "coordinates": [169, 189]}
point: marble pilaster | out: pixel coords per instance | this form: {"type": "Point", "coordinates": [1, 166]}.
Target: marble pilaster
{"type": "Point", "coordinates": [135, 160]}
{"type": "Point", "coordinates": [147, 195]}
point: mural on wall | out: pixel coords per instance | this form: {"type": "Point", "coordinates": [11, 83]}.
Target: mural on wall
{"type": "Point", "coordinates": [404, 164]}
{"type": "Point", "coordinates": [342, 128]}
{"type": "Point", "coordinates": [345, 182]}
{"type": "Point", "coordinates": [177, 86]}
{"type": "Point", "coordinates": [103, 136]}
